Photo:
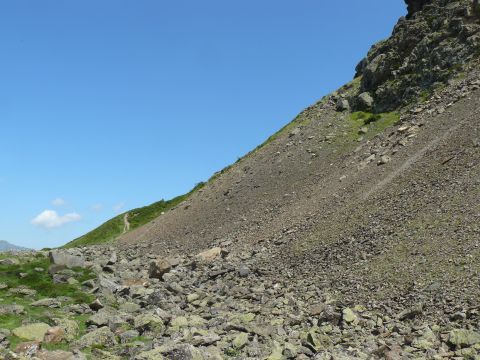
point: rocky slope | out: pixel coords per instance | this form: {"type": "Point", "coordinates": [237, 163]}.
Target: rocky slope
{"type": "Point", "coordinates": [211, 305]}
{"type": "Point", "coordinates": [373, 206]}
{"type": "Point", "coordinates": [353, 233]}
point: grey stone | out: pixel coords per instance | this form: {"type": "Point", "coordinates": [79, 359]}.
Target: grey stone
{"type": "Point", "coordinates": [59, 257]}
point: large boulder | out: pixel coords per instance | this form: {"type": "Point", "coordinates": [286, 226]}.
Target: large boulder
{"type": "Point", "coordinates": [64, 258]}
{"type": "Point", "coordinates": [34, 332]}
{"type": "Point", "coordinates": [158, 268]}
{"type": "Point", "coordinates": [149, 323]}
{"type": "Point", "coordinates": [54, 335]}
{"type": "Point", "coordinates": [99, 337]}
{"type": "Point", "coordinates": [70, 328]}
{"type": "Point", "coordinates": [463, 338]}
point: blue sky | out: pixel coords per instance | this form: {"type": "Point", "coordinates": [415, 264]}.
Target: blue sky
{"type": "Point", "coordinates": [110, 105]}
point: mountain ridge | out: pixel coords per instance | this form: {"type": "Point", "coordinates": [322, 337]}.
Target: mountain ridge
{"type": "Point", "coordinates": [6, 246]}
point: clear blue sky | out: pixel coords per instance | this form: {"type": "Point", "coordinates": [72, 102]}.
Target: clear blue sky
{"type": "Point", "coordinates": [110, 105]}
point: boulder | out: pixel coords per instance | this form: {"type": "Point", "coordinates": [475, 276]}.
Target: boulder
{"type": "Point", "coordinates": [349, 316]}
{"type": "Point", "coordinates": [34, 332]}
{"type": "Point", "coordinates": [48, 302]}
{"type": "Point", "coordinates": [158, 268]}
{"type": "Point", "coordinates": [365, 101]}
{"type": "Point", "coordinates": [28, 349]}
{"type": "Point", "coordinates": [99, 337]}
{"type": "Point", "coordinates": [96, 305]}
{"type": "Point", "coordinates": [155, 354]}
{"type": "Point", "coordinates": [59, 257]}
{"type": "Point", "coordinates": [9, 261]}
{"type": "Point", "coordinates": [210, 255]}
{"type": "Point", "coordinates": [463, 338]}
{"type": "Point", "coordinates": [343, 105]}
{"type": "Point", "coordinates": [56, 355]}
{"type": "Point", "coordinates": [70, 328]}
{"type": "Point", "coordinates": [149, 323]}
{"type": "Point", "coordinates": [54, 335]}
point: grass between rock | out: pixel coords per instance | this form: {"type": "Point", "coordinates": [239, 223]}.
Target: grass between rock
{"type": "Point", "coordinates": [32, 273]}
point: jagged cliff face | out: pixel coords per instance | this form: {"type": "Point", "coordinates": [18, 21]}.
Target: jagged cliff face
{"type": "Point", "coordinates": [414, 6]}
{"type": "Point", "coordinates": [426, 48]}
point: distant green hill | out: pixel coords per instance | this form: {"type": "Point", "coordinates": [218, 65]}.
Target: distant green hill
{"type": "Point", "coordinates": [115, 227]}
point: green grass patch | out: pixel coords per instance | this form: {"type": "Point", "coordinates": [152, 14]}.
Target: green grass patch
{"type": "Point", "coordinates": [41, 280]}
{"type": "Point", "coordinates": [113, 228]}
{"type": "Point", "coordinates": [375, 123]}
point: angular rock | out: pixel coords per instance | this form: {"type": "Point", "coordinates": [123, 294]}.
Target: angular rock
{"type": "Point", "coordinates": [158, 268]}
{"type": "Point", "coordinates": [463, 337]}
{"type": "Point", "coordinates": [34, 332]}
{"type": "Point", "coordinates": [63, 258]}
{"type": "Point", "coordinates": [54, 335]}
{"type": "Point", "coordinates": [99, 337]}
{"type": "Point", "coordinates": [365, 101]}
{"type": "Point", "coordinates": [210, 255]}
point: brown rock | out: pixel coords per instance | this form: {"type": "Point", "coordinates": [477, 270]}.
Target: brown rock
{"type": "Point", "coordinates": [54, 335]}
{"type": "Point", "coordinates": [158, 268]}
{"type": "Point", "coordinates": [96, 305]}
{"type": "Point", "coordinates": [210, 255]}
{"type": "Point", "coordinates": [28, 349]}
{"type": "Point", "coordinates": [316, 309]}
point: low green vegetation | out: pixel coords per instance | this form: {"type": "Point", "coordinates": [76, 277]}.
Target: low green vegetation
{"type": "Point", "coordinates": [26, 281]}
{"type": "Point", "coordinates": [373, 123]}
{"type": "Point", "coordinates": [28, 274]}
{"type": "Point", "coordinates": [362, 126]}
{"type": "Point", "coordinates": [113, 228]}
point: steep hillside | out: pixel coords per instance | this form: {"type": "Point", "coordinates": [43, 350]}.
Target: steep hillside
{"type": "Point", "coordinates": [352, 233]}
{"type": "Point", "coordinates": [376, 181]}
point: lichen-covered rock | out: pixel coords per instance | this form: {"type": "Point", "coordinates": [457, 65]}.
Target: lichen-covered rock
{"type": "Point", "coordinates": [463, 337]}
{"type": "Point", "coordinates": [99, 337]}
{"type": "Point", "coordinates": [34, 332]}
{"type": "Point", "coordinates": [70, 327]}
{"type": "Point", "coordinates": [149, 323]}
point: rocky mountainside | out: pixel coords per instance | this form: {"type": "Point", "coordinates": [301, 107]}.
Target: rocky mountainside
{"type": "Point", "coordinates": [353, 233]}
{"type": "Point", "coordinates": [360, 199]}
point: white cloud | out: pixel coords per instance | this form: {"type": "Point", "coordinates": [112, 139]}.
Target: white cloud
{"type": "Point", "coordinates": [58, 202]}
{"type": "Point", "coordinates": [50, 219]}
{"type": "Point", "coordinates": [118, 206]}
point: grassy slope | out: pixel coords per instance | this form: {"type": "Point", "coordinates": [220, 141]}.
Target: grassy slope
{"type": "Point", "coordinates": [113, 228]}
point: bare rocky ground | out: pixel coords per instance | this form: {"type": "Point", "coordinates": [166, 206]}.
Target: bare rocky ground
{"type": "Point", "coordinates": [216, 305]}
{"type": "Point", "coordinates": [351, 234]}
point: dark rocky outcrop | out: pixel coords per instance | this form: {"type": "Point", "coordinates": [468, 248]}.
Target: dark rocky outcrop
{"type": "Point", "coordinates": [426, 49]}
{"type": "Point", "coordinates": [414, 6]}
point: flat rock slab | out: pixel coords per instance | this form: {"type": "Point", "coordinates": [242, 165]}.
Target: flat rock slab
{"type": "Point", "coordinates": [34, 332]}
